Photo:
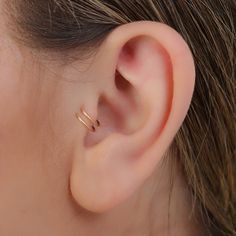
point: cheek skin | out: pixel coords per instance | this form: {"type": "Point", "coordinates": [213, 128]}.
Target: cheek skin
{"type": "Point", "coordinates": [38, 131]}
{"type": "Point", "coordinates": [38, 136]}
{"type": "Point", "coordinates": [29, 170]}
{"type": "Point", "coordinates": [15, 90]}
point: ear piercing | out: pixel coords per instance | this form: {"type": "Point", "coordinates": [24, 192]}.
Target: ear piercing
{"type": "Point", "coordinates": [91, 124]}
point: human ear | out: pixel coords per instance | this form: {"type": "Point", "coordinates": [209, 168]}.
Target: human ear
{"type": "Point", "coordinates": [145, 77]}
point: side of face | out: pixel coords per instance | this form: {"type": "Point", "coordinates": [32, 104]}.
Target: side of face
{"type": "Point", "coordinates": [50, 164]}
{"type": "Point", "coordinates": [38, 131]}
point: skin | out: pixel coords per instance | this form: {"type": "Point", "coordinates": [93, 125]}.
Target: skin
{"type": "Point", "coordinates": [56, 177]}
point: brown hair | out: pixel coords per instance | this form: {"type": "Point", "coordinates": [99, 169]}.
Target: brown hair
{"type": "Point", "coordinates": [205, 144]}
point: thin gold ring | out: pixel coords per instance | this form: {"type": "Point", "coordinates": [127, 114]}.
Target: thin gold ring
{"type": "Point", "coordinates": [93, 124]}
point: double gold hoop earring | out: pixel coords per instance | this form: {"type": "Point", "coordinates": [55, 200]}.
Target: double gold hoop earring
{"type": "Point", "coordinates": [88, 122]}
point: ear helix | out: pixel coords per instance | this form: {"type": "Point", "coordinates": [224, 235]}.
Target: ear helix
{"type": "Point", "coordinates": [88, 122]}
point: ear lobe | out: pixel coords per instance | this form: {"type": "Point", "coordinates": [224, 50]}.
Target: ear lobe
{"type": "Point", "coordinates": [140, 111]}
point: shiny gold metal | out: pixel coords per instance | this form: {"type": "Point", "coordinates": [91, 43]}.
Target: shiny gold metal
{"type": "Point", "coordinates": [93, 124]}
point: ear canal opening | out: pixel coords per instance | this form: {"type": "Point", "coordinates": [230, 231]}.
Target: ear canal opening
{"type": "Point", "coordinates": [121, 83]}
{"type": "Point", "coordinates": [110, 121]}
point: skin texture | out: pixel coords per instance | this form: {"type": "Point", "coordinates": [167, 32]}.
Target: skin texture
{"type": "Point", "coordinates": [56, 178]}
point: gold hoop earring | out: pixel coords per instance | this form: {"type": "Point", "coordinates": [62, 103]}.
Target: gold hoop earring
{"type": "Point", "coordinates": [93, 124]}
